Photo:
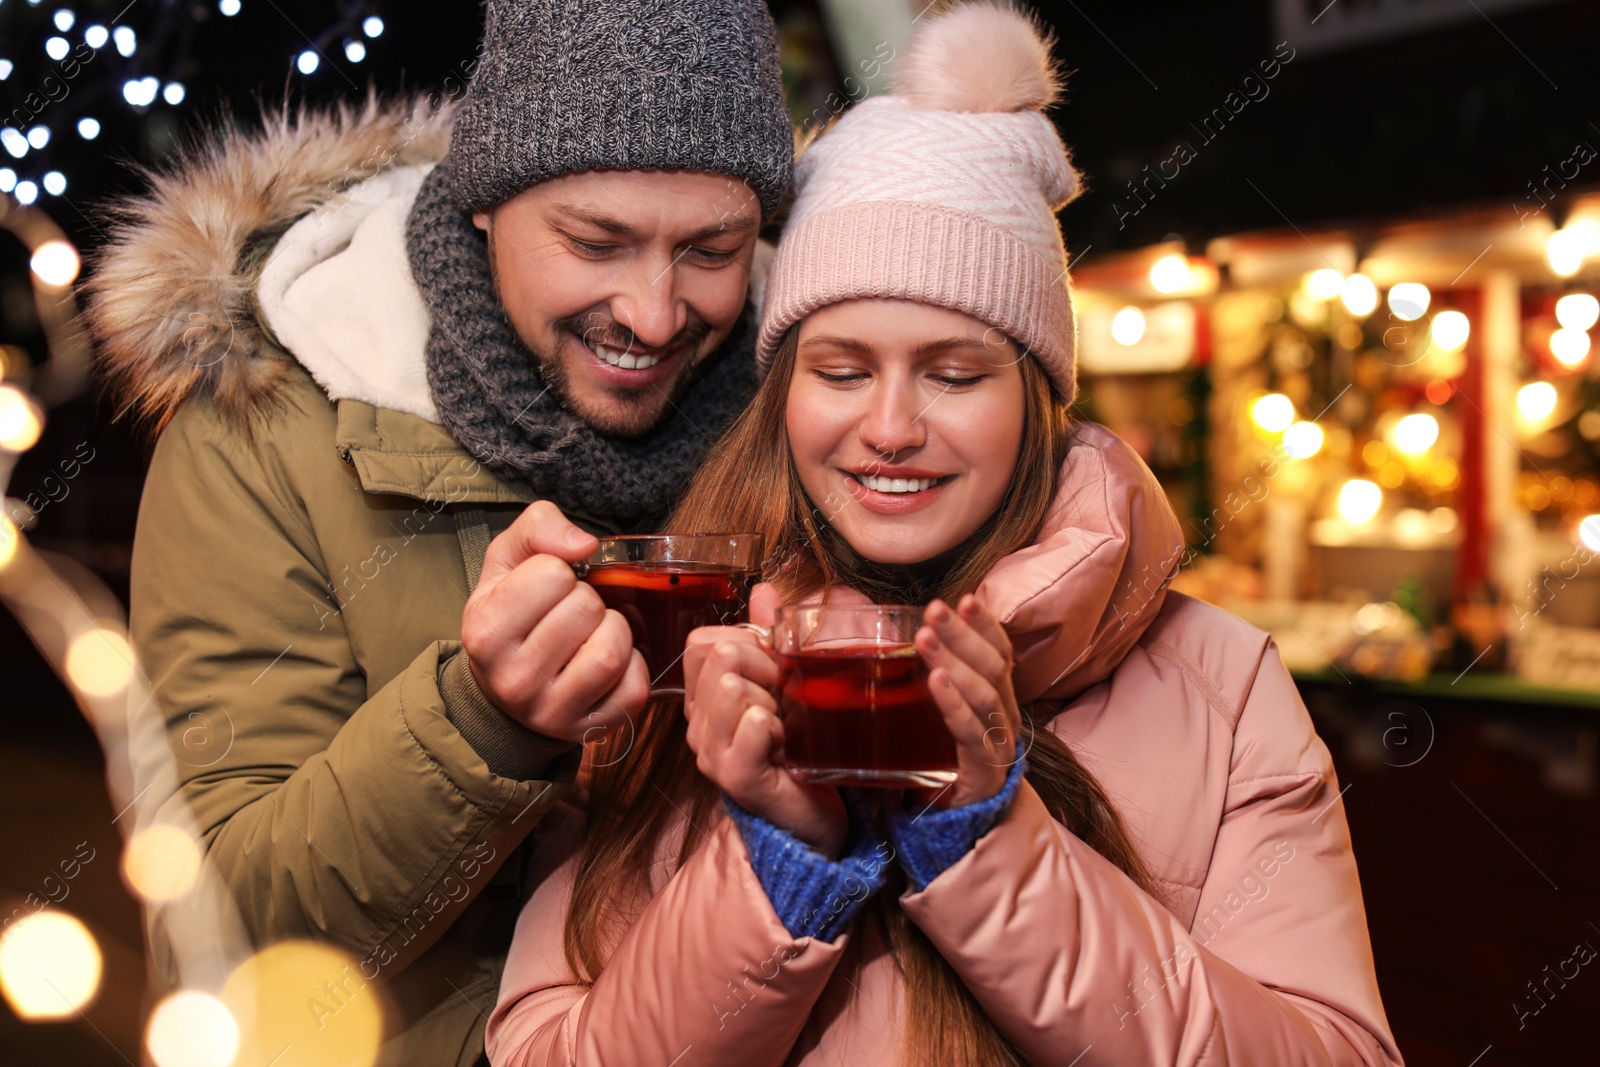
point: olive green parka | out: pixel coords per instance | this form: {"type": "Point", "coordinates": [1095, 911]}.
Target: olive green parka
{"type": "Point", "coordinates": [305, 547]}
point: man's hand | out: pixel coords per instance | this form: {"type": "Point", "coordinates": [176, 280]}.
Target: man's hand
{"type": "Point", "coordinates": [541, 644]}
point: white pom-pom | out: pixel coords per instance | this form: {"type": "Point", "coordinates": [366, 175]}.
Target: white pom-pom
{"type": "Point", "coordinates": [979, 57]}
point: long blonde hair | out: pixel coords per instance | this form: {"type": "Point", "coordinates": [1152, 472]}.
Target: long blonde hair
{"type": "Point", "coordinates": [749, 483]}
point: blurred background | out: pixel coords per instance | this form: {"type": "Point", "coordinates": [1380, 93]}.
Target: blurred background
{"type": "Point", "coordinates": [1335, 268]}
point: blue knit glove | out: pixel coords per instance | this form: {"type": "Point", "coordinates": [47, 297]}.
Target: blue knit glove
{"type": "Point", "coordinates": [813, 895]}
{"type": "Point", "coordinates": [930, 842]}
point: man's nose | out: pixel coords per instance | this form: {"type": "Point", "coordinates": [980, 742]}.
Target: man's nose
{"type": "Point", "coordinates": [650, 306]}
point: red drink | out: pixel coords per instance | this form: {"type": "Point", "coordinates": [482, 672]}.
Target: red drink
{"type": "Point", "coordinates": [664, 601]}
{"type": "Point", "coordinates": [862, 714]}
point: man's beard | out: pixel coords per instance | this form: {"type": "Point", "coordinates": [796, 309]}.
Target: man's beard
{"type": "Point", "coordinates": [631, 415]}
{"type": "Point", "coordinates": [628, 416]}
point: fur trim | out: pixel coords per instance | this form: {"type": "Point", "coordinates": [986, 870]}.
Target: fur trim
{"type": "Point", "coordinates": [980, 57]}
{"type": "Point", "coordinates": [171, 297]}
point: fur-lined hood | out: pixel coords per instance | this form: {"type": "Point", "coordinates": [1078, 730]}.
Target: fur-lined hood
{"type": "Point", "coordinates": [171, 300]}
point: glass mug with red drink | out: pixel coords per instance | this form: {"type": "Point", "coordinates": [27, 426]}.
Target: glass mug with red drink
{"type": "Point", "coordinates": [667, 584]}
{"type": "Point", "coordinates": [853, 698]}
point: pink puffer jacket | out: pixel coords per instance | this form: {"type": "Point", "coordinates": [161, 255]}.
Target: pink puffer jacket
{"type": "Point", "coordinates": [1255, 950]}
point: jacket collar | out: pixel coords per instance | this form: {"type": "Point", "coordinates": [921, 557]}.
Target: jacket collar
{"type": "Point", "coordinates": [1078, 599]}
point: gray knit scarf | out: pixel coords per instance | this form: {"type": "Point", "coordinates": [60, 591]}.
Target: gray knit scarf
{"type": "Point", "coordinates": [491, 398]}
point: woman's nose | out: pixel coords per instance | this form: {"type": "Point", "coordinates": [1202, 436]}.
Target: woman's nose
{"type": "Point", "coordinates": [893, 421]}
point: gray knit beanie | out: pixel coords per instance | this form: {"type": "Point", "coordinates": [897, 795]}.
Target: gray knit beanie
{"type": "Point", "coordinates": [564, 86]}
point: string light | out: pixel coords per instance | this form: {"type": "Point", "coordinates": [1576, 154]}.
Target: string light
{"type": "Point", "coordinates": [6, 68]}
{"type": "Point", "coordinates": [372, 26]}
{"type": "Point", "coordinates": [1535, 401]}
{"type": "Point", "coordinates": [96, 36]}
{"type": "Point", "coordinates": [191, 1029]}
{"type": "Point", "coordinates": [57, 48]}
{"type": "Point", "coordinates": [64, 20]}
{"type": "Point", "coordinates": [1273, 412]}
{"type": "Point", "coordinates": [39, 136]}
{"type": "Point", "coordinates": [1359, 294]}
{"type": "Point", "coordinates": [50, 966]}
{"type": "Point", "coordinates": [308, 62]}
{"type": "Point", "coordinates": [1415, 434]}
{"type": "Point", "coordinates": [1170, 274]}
{"type": "Point", "coordinates": [26, 193]}
{"type": "Point", "coordinates": [161, 863]}
{"type": "Point", "coordinates": [55, 264]}
{"type": "Point", "coordinates": [8, 179]}
{"type": "Point", "coordinates": [173, 93]}
{"type": "Point", "coordinates": [141, 93]}
{"type": "Point", "coordinates": [1359, 501]}
{"type": "Point", "coordinates": [1569, 346]}
{"type": "Point", "coordinates": [88, 128]}
{"type": "Point", "coordinates": [355, 51]}
{"type": "Point", "coordinates": [125, 39]}
{"type": "Point", "coordinates": [1567, 247]}
{"type": "Point", "coordinates": [1589, 532]}
{"type": "Point", "coordinates": [1577, 311]}
{"type": "Point", "coordinates": [1324, 284]}
{"type": "Point", "coordinates": [1450, 330]}
{"type": "Point", "coordinates": [1409, 300]}
{"type": "Point", "coordinates": [14, 141]}
{"type": "Point", "coordinates": [229, 8]}
{"type": "Point", "coordinates": [1302, 440]}
{"type": "Point", "coordinates": [55, 183]}
{"type": "Point", "coordinates": [100, 662]}
{"type": "Point", "coordinates": [1127, 326]}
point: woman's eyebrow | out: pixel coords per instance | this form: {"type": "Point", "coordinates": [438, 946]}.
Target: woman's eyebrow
{"type": "Point", "coordinates": [848, 343]}
{"type": "Point", "coordinates": [945, 344]}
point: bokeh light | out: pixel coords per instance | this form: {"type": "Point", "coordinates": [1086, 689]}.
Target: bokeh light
{"type": "Point", "coordinates": [49, 965]}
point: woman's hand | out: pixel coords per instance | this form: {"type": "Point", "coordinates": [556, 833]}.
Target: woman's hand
{"type": "Point", "coordinates": [970, 658]}
{"type": "Point", "coordinates": [737, 739]}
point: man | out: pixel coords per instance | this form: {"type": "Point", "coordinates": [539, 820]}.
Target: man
{"type": "Point", "coordinates": [363, 367]}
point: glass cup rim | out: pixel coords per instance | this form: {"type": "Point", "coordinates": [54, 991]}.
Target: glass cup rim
{"type": "Point", "coordinates": [789, 611]}
{"type": "Point", "coordinates": [605, 538]}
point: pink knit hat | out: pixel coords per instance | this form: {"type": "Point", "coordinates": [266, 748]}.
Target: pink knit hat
{"type": "Point", "coordinates": [943, 193]}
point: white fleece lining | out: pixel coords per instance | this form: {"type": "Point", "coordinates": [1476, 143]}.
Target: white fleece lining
{"type": "Point", "coordinates": [337, 292]}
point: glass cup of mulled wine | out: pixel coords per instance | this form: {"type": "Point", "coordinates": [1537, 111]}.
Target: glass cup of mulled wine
{"type": "Point", "coordinates": [667, 584]}
{"type": "Point", "coordinates": [853, 698]}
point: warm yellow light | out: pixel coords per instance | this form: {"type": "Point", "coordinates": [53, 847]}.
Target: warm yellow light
{"type": "Point", "coordinates": [1411, 526]}
{"type": "Point", "coordinates": [49, 965]}
{"type": "Point", "coordinates": [310, 997]}
{"type": "Point", "coordinates": [1565, 251]}
{"type": "Point", "coordinates": [1273, 412]}
{"type": "Point", "coordinates": [161, 863]}
{"type": "Point", "coordinates": [55, 263]}
{"type": "Point", "coordinates": [1324, 284]}
{"type": "Point", "coordinates": [1409, 300]}
{"type": "Point", "coordinates": [99, 662]}
{"type": "Point", "coordinates": [10, 541]}
{"type": "Point", "coordinates": [1359, 501]}
{"type": "Point", "coordinates": [1450, 330]}
{"type": "Point", "coordinates": [1443, 519]}
{"type": "Point", "coordinates": [1360, 296]}
{"type": "Point", "coordinates": [1570, 347]}
{"type": "Point", "coordinates": [1302, 440]}
{"type": "Point", "coordinates": [20, 422]}
{"type": "Point", "coordinates": [1577, 311]}
{"type": "Point", "coordinates": [1589, 532]}
{"type": "Point", "coordinates": [1444, 473]}
{"type": "Point", "coordinates": [1170, 274]}
{"type": "Point", "coordinates": [192, 1030]}
{"type": "Point", "coordinates": [1536, 400]}
{"type": "Point", "coordinates": [1415, 434]}
{"type": "Point", "coordinates": [1127, 326]}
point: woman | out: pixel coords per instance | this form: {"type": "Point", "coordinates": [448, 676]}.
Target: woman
{"type": "Point", "coordinates": [1142, 860]}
